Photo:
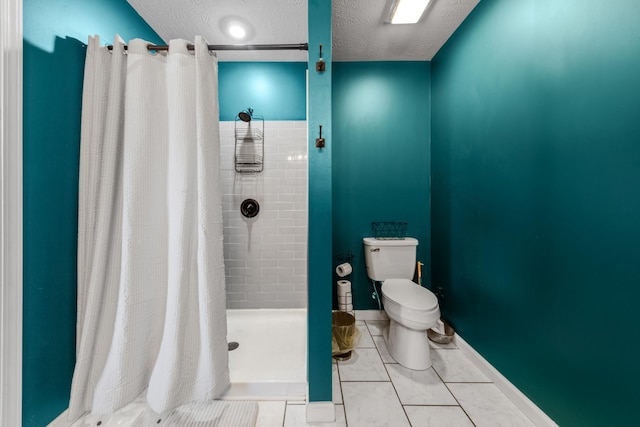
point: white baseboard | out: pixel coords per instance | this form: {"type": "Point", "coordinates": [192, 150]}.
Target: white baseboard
{"type": "Point", "coordinates": [321, 412]}
{"type": "Point", "coordinates": [530, 409]}
{"type": "Point", "coordinates": [371, 315]}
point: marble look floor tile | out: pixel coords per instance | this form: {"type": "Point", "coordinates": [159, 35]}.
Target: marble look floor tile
{"type": "Point", "coordinates": [372, 404]}
{"type": "Point", "coordinates": [487, 406]}
{"type": "Point", "coordinates": [440, 416]}
{"type": "Point", "coordinates": [296, 416]}
{"type": "Point", "coordinates": [335, 383]}
{"type": "Point", "coordinates": [419, 387]}
{"type": "Point", "coordinates": [365, 365]}
{"type": "Point", "coordinates": [376, 326]}
{"type": "Point", "coordinates": [270, 413]}
{"type": "Point", "coordinates": [382, 349]}
{"type": "Point", "coordinates": [365, 340]}
{"type": "Point", "coordinates": [453, 366]}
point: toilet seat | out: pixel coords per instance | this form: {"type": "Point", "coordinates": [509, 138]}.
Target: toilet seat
{"type": "Point", "coordinates": [408, 294]}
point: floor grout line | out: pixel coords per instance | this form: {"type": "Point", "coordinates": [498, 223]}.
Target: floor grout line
{"type": "Point", "coordinates": [391, 381]}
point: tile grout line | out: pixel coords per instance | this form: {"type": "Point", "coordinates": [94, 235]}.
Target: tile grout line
{"type": "Point", "coordinates": [390, 379]}
{"type": "Point", "coordinates": [454, 397]}
{"type": "Point", "coordinates": [344, 404]}
{"type": "Point", "coordinates": [441, 379]}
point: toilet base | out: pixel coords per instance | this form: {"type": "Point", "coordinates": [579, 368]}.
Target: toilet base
{"type": "Point", "coordinates": [409, 347]}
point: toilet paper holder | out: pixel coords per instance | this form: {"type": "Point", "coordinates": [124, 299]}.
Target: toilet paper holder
{"type": "Point", "coordinates": [341, 259]}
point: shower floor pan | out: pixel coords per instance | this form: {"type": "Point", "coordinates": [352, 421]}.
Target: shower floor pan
{"type": "Point", "coordinates": [270, 362]}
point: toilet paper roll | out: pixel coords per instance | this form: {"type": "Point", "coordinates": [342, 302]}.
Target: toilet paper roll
{"type": "Point", "coordinates": [344, 269]}
{"type": "Point", "coordinates": [344, 287]}
{"type": "Point", "coordinates": [345, 307]}
{"type": "Point", "coordinates": [345, 299]}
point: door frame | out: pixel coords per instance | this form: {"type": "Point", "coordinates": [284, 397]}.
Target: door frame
{"type": "Point", "coordinates": [11, 213]}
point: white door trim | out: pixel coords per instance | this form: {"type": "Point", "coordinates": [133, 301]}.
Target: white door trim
{"type": "Point", "coordinates": [11, 213]}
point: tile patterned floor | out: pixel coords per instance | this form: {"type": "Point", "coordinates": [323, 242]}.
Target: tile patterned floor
{"type": "Point", "coordinates": [371, 390]}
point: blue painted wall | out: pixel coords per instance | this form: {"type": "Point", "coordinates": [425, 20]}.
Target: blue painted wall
{"type": "Point", "coordinates": [54, 33]}
{"type": "Point", "coordinates": [536, 199]}
{"type": "Point", "coordinates": [275, 90]}
{"type": "Point", "coordinates": [381, 128]}
{"type": "Point", "coordinates": [320, 208]}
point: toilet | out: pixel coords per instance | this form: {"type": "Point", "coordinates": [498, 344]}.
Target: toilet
{"type": "Point", "coordinates": [412, 309]}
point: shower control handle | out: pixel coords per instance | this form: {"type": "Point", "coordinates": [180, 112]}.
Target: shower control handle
{"type": "Point", "coordinates": [249, 208]}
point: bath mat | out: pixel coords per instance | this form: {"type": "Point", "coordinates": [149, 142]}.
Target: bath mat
{"type": "Point", "coordinates": [213, 413]}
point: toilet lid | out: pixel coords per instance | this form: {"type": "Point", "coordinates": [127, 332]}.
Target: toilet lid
{"type": "Point", "coordinates": [409, 294]}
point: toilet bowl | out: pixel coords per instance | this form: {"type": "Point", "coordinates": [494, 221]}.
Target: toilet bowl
{"type": "Point", "coordinates": [412, 310]}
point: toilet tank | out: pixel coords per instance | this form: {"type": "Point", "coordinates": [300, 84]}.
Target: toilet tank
{"type": "Point", "coordinates": [390, 259]}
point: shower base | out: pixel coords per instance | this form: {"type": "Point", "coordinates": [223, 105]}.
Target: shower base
{"type": "Point", "coordinates": [271, 360]}
{"type": "Point", "coordinates": [269, 364]}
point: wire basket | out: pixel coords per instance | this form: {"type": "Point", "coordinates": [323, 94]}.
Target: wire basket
{"type": "Point", "coordinates": [389, 230]}
{"type": "Point", "coordinates": [249, 149]}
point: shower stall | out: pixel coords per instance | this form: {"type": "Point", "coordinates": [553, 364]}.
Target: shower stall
{"type": "Point", "coordinates": [265, 252]}
{"type": "Point", "coordinates": [263, 219]}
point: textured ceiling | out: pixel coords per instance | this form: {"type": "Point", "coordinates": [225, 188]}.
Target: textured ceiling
{"type": "Point", "coordinates": [268, 22]}
{"type": "Point", "coordinates": [360, 34]}
{"type": "Point", "coordinates": [359, 31]}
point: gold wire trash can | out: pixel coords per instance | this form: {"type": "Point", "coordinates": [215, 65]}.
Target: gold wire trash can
{"type": "Point", "coordinates": [345, 335]}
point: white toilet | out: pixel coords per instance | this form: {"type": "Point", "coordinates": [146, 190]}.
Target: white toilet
{"type": "Point", "coordinates": [412, 309]}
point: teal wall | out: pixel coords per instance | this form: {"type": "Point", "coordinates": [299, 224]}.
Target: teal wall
{"type": "Point", "coordinates": [381, 128]}
{"type": "Point", "coordinates": [536, 199]}
{"type": "Point", "coordinates": [320, 187]}
{"type": "Point", "coordinates": [275, 90]}
{"type": "Point", "coordinates": [54, 33]}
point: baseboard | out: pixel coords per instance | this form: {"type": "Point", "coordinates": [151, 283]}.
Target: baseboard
{"type": "Point", "coordinates": [321, 412]}
{"type": "Point", "coordinates": [530, 409]}
{"type": "Point", "coordinates": [371, 315]}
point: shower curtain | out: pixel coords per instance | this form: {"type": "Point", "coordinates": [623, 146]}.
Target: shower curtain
{"type": "Point", "coordinates": [151, 283]}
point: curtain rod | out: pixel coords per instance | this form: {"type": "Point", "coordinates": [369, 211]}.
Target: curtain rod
{"type": "Point", "coordinates": [218, 47]}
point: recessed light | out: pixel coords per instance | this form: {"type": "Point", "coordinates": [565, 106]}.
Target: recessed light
{"type": "Point", "coordinates": [408, 11]}
{"type": "Point", "coordinates": [236, 28]}
{"type": "Point", "coordinates": [236, 31]}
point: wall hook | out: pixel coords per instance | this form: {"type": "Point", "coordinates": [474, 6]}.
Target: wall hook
{"type": "Point", "coordinates": [320, 140]}
{"type": "Point", "coordinates": [321, 65]}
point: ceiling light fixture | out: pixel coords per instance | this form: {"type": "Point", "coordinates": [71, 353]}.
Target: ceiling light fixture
{"type": "Point", "coordinates": [407, 11]}
{"type": "Point", "coordinates": [236, 31]}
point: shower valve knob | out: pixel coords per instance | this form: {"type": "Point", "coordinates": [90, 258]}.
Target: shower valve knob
{"type": "Point", "coordinates": [249, 208]}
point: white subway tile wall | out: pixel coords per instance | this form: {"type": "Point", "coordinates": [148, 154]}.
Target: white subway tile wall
{"type": "Point", "coordinates": [266, 256]}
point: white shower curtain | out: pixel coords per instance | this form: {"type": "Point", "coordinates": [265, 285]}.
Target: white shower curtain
{"type": "Point", "coordinates": [151, 283]}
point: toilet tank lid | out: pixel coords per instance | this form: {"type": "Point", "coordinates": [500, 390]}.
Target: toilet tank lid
{"type": "Point", "coordinates": [407, 241]}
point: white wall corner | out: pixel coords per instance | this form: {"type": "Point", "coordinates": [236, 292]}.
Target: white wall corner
{"type": "Point", "coordinates": [530, 409]}
{"type": "Point", "coordinates": [321, 412]}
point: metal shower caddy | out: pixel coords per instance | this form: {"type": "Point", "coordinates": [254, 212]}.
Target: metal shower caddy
{"type": "Point", "coordinates": [249, 142]}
